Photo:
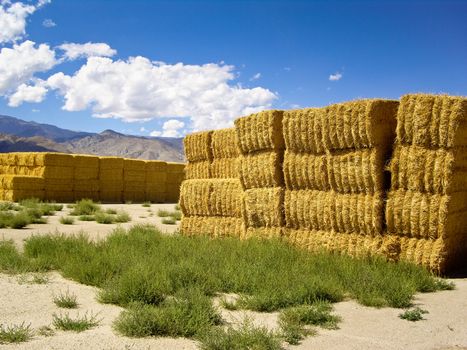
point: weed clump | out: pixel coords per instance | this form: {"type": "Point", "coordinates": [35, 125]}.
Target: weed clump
{"type": "Point", "coordinates": [415, 314]}
{"type": "Point", "coordinates": [15, 333]}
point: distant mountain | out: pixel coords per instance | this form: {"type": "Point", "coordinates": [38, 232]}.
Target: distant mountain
{"type": "Point", "coordinates": [17, 135]}
{"type": "Point", "coordinates": [18, 127]}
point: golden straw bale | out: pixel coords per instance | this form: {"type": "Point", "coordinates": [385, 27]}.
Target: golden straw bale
{"type": "Point", "coordinates": [86, 173]}
{"type": "Point", "coordinates": [198, 146]}
{"type": "Point", "coordinates": [94, 195]}
{"type": "Point", "coordinates": [303, 129]}
{"type": "Point", "coordinates": [22, 159]}
{"type": "Point", "coordinates": [54, 159]}
{"type": "Point", "coordinates": [261, 169]}
{"type": "Point", "coordinates": [134, 186]}
{"type": "Point", "coordinates": [173, 194]}
{"type": "Point", "coordinates": [111, 186]}
{"type": "Point", "coordinates": [156, 187]}
{"type": "Point", "coordinates": [321, 210]}
{"type": "Point", "coordinates": [136, 165]}
{"type": "Point", "coordinates": [198, 170]}
{"type": "Point", "coordinates": [55, 172]}
{"type": "Point", "coordinates": [194, 226]}
{"type": "Point", "coordinates": [134, 176]}
{"type": "Point", "coordinates": [60, 196]}
{"type": "Point", "coordinates": [3, 159]}
{"type": "Point", "coordinates": [356, 171]}
{"type": "Point", "coordinates": [58, 185]}
{"type": "Point", "coordinates": [137, 196]}
{"type": "Point", "coordinates": [194, 197]}
{"type": "Point", "coordinates": [20, 182]}
{"type": "Point", "coordinates": [110, 163]}
{"type": "Point", "coordinates": [17, 195]}
{"type": "Point", "coordinates": [175, 179]}
{"type": "Point", "coordinates": [305, 171]}
{"type": "Point", "coordinates": [175, 168]}
{"type": "Point", "coordinates": [86, 161]}
{"type": "Point", "coordinates": [422, 215]}
{"type": "Point", "coordinates": [432, 120]}
{"type": "Point", "coordinates": [156, 178]}
{"type": "Point", "coordinates": [224, 168]}
{"type": "Point", "coordinates": [224, 143]}
{"type": "Point", "coordinates": [263, 207]}
{"type": "Point", "coordinates": [111, 175]}
{"type": "Point", "coordinates": [155, 196]}
{"type": "Point", "coordinates": [111, 196]}
{"type": "Point", "coordinates": [86, 185]}
{"type": "Point", "coordinates": [263, 232]}
{"type": "Point", "coordinates": [429, 170]}
{"type": "Point", "coordinates": [155, 166]}
{"type": "Point", "coordinates": [261, 131]}
{"type": "Point", "coordinates": [225, 198]}
{"type": "Point", "coordinates": [211, 226]}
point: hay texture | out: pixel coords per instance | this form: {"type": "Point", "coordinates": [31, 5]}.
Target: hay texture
{"type": "Point", "coordinates": [424, 215]}
{"type": "Point", "coordinates": [198, 170]}
{"type": "Point", "coordinates": [263, 233]}
{"type": "Point", "coordinates": [54, 159]}
{"type": "Point", "coordinates": [432, 121]}
{"type": "Point", "coordinates": [331, 211]}
{"type": "Point", "coordinates": [305, 171]}
{"type": "Point", "coordinates": [198, 146]}
{"type": "Point", "coordinates": [224, 168]}
{"type": "Point", "coordinates": [19, 182]}
{"type": "Point", "coordinates": [215, 227]}
{"type": "Point", "coordinates": [350, 125]}
{"type": "Point", "coordinates": [263, 207]}
{"type": "Point", "coordinates": [261, 169]}
{"type": "Point", "coordinates": [440, 170]}
{"type": "Point", "coordinates": [261, 131]}
{"type": "Point", "coordinates": [17, 195]}
{"type": "Point", "coordinates": [224, 144]}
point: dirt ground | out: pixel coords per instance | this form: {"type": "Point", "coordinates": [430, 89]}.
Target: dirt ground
{"type": "Point", "coordinates": [444, 327]}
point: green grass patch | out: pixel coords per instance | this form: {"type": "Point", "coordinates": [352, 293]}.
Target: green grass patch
{"type": "Point", "coordinates": [15, 333]}
{"type": "Point", "coordinates": [78, 324]}
{"type": "Point", "coordinates": [176, 215]}
{"type": "Point", "coordinates": [163, 213]}
{"type": "Point", "coordinates": [415, 314]}
{"type": "Point", "coordinates": [85, 207]}
{"type": "Point", "coordinates": [111, 211]}
{"type": "Point", "coordinates": [66, 300]}
{"type": "Point", "coordinates": [169, 221]}
{"type": "Point", "coordinates": [146, 204]}
{"type": "Point", "coordinates": [122, 216]}
{"type": "Point", "coordinates": [87, 218]}
{"type": "Point", "coordinates": [67, 220]}
{"type": "Point", "coordinates": [103, 218]}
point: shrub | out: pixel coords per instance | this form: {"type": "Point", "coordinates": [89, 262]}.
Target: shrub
{"type": "Point", "coordinates": [85, 207]}
{"type": "Point", "coordinates": [15, 333]}
{"type": "Point", "coordinates": [67, 220]}
{"type": "Point", "coordinates": [66, 300]}
{"type": "Point", "coordinates": [78, 324]}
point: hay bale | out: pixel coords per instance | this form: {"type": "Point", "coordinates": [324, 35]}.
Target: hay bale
{"type": "Point", "coordinates": [422, 215]}
{"type": "Point", "coordinates": [111, 175]}
{"type": "Point", "coordinates": [20, 182]}
{"type": "Point", "coordinates": [263, 233]}
{"type": "Point", "coordinates": [134, 176]}
{"type": "Point", "coordinates": [261, 169]}
{"type": "Point", "coordinates": [58, 185]}
{"type": "Point", "coordinates": [111, 196]}
{"type": "Point", "coordinates": [260, 131]}
{"type": "Point", "coordinates": [86, 161]}
{"type": "Point", "coordinates": [134, 186]}
{"type": "Point", "coordinates": [198, 146]}
{"type": "Point", "coordinates": [440, 170]}
{"type": "Point", "coordinates": [17, 195]}
{"type": "Point", "coordinates": [331, 211]}
{"type": "Point", "coordinates": [215, 227]}
{"type": "Point", "coordinates": [305, 171]}
{"type": "Point", "coordinates": [351, 125]}
{"type": "Point", "coordinates": [156, 178]}
{"type": "Point", "coordinates": [136, 165]}
{"type": "Point", "coordinates": [224, 168]}
{"type": "Point", "coordinates": [55, 172]}
{"type": "Point", "coordinates": [21, 159]}
{"type": "Point", "coordinates": [134, 195]}
{"type": "Point", "coordinates": [155, 196]}
{"type": "Point", "coordinates": [86, 173]}
{"type": "Point", "coordinates": [54, 159]}
{"type": "Point", "coordinates": [432, 121]}
{"type": "Point", "coordinates": [155, 166]}
{"type": "Point", "coordinates": [175, 168]}
{"type": "Point", "coordinates": [198, 170]}
{"type": "Point", "coordinates": [86, 185]}
{"type": "Point", "coordinates": [173, 193]}
{"type": "Point", "coordinates": [110, 163]}
{"type": "Point", "coordinates": [94, 195]}
{"type": "Point", "coordinates": [59, 196]}
{"type": "Point", "coordinates": [111, 186]}
{"type": "Point", "coordinates": [264, 207]}
{"type": "Point", "coordinates": [224, 143]}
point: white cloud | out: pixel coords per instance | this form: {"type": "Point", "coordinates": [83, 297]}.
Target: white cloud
{"type": "Point", "coordinates": [171, 128]}
{"type": "Point", "coordinates": [142, 129]}
{"type": "Point", "coordinates": [26, 93]}
{"type": "Point", "coordinates": [48, 23]}
{"type": "Point", "coordinates": [255, 77]}
{"type": "Point", "coordinates": [74, 51]}
{"type": "Point", "coordinates": [155, 133]}
{"type": "Point", "coordinates": [139, 89]}
{"type": "Point", "coordinates": [19, 64]}
{"type": "Point", "coordinates": [13, 19]}
{"type": "Point", "coordinates": [335, 77]}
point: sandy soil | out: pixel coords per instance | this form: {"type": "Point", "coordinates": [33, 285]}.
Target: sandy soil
{"type": "Point", "coordinates": [444, 327]}
{"type": "Point", "coordinates": [138, 213]}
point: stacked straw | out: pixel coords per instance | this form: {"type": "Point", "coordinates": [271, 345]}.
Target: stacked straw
{"type": "Point", "coordinates": [334, 175]}
{"type": "Point", "coordinates": [212, 206]}
{"type": "Point", "coordinates": [86, 177]}
{"type": "Point", "coordinates": [134, 180]}
{"type": "Point", "coordinates": [427, 204]}
{"type": "Point", "coordinates": [175, 176]}
{"type": "Point", "coordinates": [18, 187]}
{"type": "Point", "coordinates": [261, 146]}
{"type": "Point", "coordinates": [111, 179]}
{"type": "Point", "coordinates": [156, 181]}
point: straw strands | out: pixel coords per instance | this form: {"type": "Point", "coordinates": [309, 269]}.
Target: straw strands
{"type": "Point", "coordinates": [198, 146]}
{"type": "Point", "coordinates": [261, 169]}
{"type": "Point", "coordinates": [224, 143]}
{"type": "Point", "coordinates": [212, 226]}
{"type": "Point", "coordinates": [264, 207]}
{"type": "Point", "coordinates": [18, 182]}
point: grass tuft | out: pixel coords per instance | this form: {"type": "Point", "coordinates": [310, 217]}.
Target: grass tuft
{"type": "Point", "coordinates": [169, 221]}
{"type": "Point", "coordinates": [86, 218]}
{"type": "Point", "coordinates": [122, 216]}
{"type": "Point", "coordinates": [15, 333]}
{"type": "Point", "coordinates": [415, 314]}
{"type": "Point", "coordinates": [45, 331]}
{"type": "Point", "coordinates": [111, 211]}
{"type": "Point", "coordinates": [103, 218]}
{"type": "Point", "coordinates": [146, 204]}
{"type": "Point", "coordinates": [85, 207]}
{"type": "Point", "coordinates": [66, 300]}
{"type": "Point", "coordinates": [163, 213]}
{"type": "Point", "coordinates": [67, 220]}
{"type": "Point", "coordinates": [79, 324]}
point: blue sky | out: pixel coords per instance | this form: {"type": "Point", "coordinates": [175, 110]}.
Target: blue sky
{"type": "Point", "coordinates": [266, 54]}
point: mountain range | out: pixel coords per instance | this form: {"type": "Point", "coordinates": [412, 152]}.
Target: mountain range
{"type": "Point", "coordinates": [17, 135]}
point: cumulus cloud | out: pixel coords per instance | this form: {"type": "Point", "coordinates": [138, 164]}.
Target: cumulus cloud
{"type": "Point", "coordinates": [48, 23]}
{"type": "Point", "coordinates": [13, 19]}
{"type": "Point", "coordinates": [335, 77]}
{"type": "Point", "coordinates": [170, 128]}
{"type": "Point", "coordinates": [19, 64]}
{"type": "Point", "coordinates": [74, 51]}
{"type": "Point", "coordinates": [139, 89]}
{"type": "Point", "coordinates": [255, 77]}
{"type": "Point", "coordinates": [27, 93]}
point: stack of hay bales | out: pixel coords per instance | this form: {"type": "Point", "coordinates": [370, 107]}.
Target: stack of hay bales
{"type": "Point", "coordinates": [86, 177]}
{"type": "Point", "coordinates": [111, 179]}
{"type": "Point", "coordinates": [57, 169]}
{"type": "Point", "coordinates": [334, 175]}
{"type": "Point", "coordinates": [134, 180]}
{"type": "Point", "coordinates": [175, 176]}
{"type": "Point", "coordinates": [156, 181]}
{"type": "Point", "coordinates": [261, 146]}
{"type": "Point", "coordinates": [212, 206]}
{"type": "Point", "coordinates": [18, 187]}
{"type": "Point", "coordinates": [427, 203]}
